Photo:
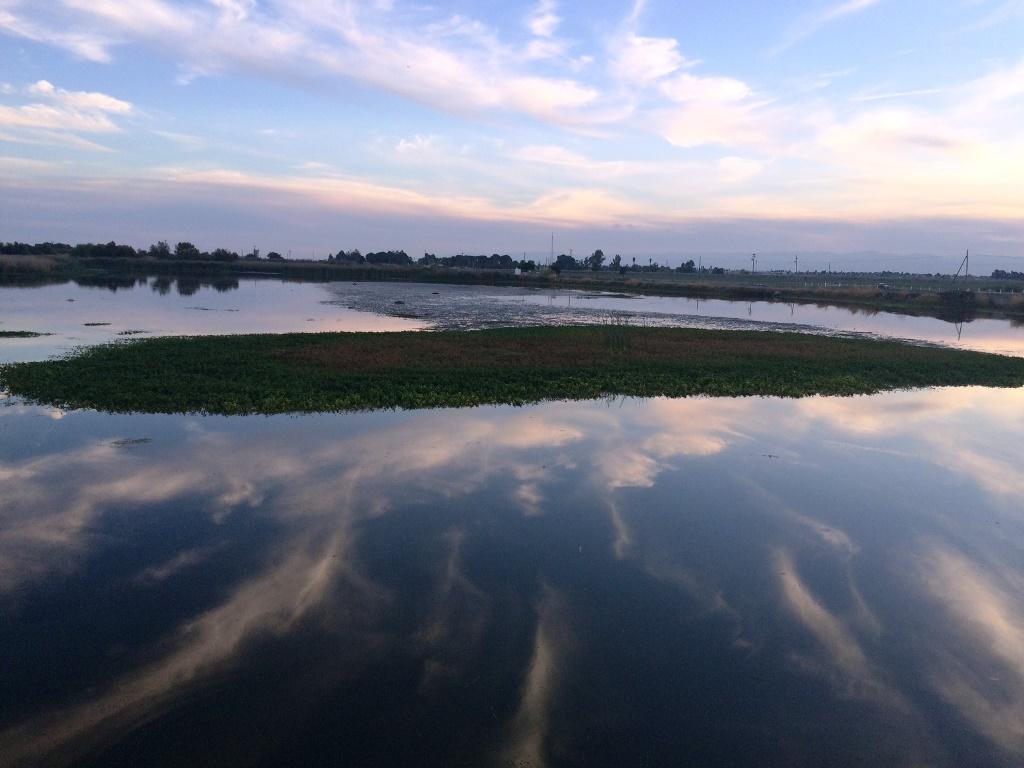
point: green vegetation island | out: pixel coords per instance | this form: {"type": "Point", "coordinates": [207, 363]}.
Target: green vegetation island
{"type": "Point", "coordinates": [953, 298]}
{"type": "Point", "coordinates": [319, 372]}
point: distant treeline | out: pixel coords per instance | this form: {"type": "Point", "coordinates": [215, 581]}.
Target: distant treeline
{"type": "Point", "coordinates": [494, 261]}
{"type": "Point", "coordinates": [595, 262]}
{"type": "Point", "coordinates": [111, 250]}
{"type": "Point", "coordinates": [1002, 274]}
{"type": "Point", "coordinates": [39, 249]}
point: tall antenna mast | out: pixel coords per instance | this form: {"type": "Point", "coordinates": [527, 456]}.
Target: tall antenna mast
{"type": "Point", "coordinates": [753, 263]}
{"type": "Point", "coordinates": [550, 260]}
{"type": "Point", "coordinates": [796, 263]}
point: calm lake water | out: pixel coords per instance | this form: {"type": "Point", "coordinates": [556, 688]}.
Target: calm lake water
{"type": "Point", "coordinates": [753, 581]}
{"type": "Point", "coordinates": [78, 315]}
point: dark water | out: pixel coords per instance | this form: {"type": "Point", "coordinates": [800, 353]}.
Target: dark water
{"type": "Point", "coordinates": [689, 582]}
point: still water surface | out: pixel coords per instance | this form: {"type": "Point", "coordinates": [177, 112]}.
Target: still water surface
{"type": "Point", "coordinates": [78, 315]}
{"type": "Point", "coordinates": [755, 581]}
{"type": "Point", "coordinates": [701, 581]}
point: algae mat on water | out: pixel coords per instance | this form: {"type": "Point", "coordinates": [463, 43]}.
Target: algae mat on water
{"type": "Point", "coordinates": [354, 371]}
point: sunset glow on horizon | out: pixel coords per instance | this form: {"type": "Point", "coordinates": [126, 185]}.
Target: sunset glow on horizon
{"type": "Point", "coordinates": [645, 127]}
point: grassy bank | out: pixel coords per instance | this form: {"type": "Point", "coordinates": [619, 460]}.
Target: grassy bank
{"type": "Point", "coordinates": [350, 371]}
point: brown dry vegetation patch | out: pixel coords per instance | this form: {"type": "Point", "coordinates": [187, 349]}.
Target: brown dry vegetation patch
{"type": "Point", "coordinates": [576, 347]}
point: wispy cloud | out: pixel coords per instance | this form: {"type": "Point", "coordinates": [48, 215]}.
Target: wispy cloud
{"type": "Point", "coordinates": [809, 25]}
{"type": "Point", "coordinates": [90, 46]}
{"type": "Point", "coordinates": [888, 95]}
{"type": "Point", "coordinates": [57, 116]}
{"type": "Point", "coordinates": [530, 116]}
{"type": "Point", "coordinates": [455, 64]}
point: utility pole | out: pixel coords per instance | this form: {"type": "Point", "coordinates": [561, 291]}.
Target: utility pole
{"type": "Point", "coordinates": [965, 265]}
{"type": "Point", "coordinates": [550, 260]}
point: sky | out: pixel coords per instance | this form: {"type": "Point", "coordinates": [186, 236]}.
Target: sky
{"type": "Point", "coordinates": [650, 128]}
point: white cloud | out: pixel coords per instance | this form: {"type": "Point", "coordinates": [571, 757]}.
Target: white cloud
{"type": "Point", "coordinates": [90, 46]}
{"type": "Point", "coordinates": [57, 117]}
{"type": "Point", "coordinates": [712, 110]}
{"type": "Point", "coordinates": [543, 21]}
{"type": "Point", "coordinates": [686, 88]}
{"type": "Point", "coordinates": [145, 17]}
{"type": "Point", "coordinates": [998, 87]}
{"type": "Point", "coordinates": [702, 123]}
{"type": "Point", "coordinates": [900, 129]}
{"type": "Point", "coordinates": [416, 145]}
{"type": "Point", "coordinates": [544, 48]}
{"type": "Point", "coordinates": [956, 154]}
{"type": "Point", "coordinates": [84, 101]}
{"type": "Point", "coordinates": [644, 60]}
{"type": "Point", "coordinates": [456, 64]}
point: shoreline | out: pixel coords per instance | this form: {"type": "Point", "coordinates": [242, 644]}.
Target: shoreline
{"type": "Point", "coordinates": [920, 295]}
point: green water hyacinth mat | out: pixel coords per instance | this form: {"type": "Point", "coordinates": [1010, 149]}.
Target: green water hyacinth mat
{"type": "Point", "coordinates": [359, 371]}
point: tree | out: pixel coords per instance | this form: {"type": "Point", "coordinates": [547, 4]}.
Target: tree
{"type": "Point", "coordinates": [351, 257]}
{"type": "Point", "coordinates": [275, 256]}
{"type": "Point", "coordinates": [109, 250]}
{"type": "Point", "coordinates": [186, 250]}
{"type": "Point", "coordinates": [388, 257]}
{"type": "Point", "coordinates": [688, 266]}
{"type": "Point", "coordinates": [596, 260]}
{"type": "Point", "coordinates": [160, 250]}
{"type": "Point", "coordinates": [616, 262]}
{"type": "Point", "coordinates": [223, 254]}
{"type": "Point", "coordinates": [565, 261]}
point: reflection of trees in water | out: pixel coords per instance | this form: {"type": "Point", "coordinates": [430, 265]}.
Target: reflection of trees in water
{"type": "Point", "coordinates": [112, 283]}
{"type": "Point", "coordinates": [162, 284]}
{"type": "Point", "coordinates": [187, 286]}
{"type": "Point", "coordinates": [224, 285]}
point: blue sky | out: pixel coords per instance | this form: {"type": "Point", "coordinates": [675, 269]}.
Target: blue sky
{"type": "Point", "coordinates": [639, 127]}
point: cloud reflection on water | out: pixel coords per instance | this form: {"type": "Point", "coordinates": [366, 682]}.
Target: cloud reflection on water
{"type": "Point", "coordinates": [671, 481]}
